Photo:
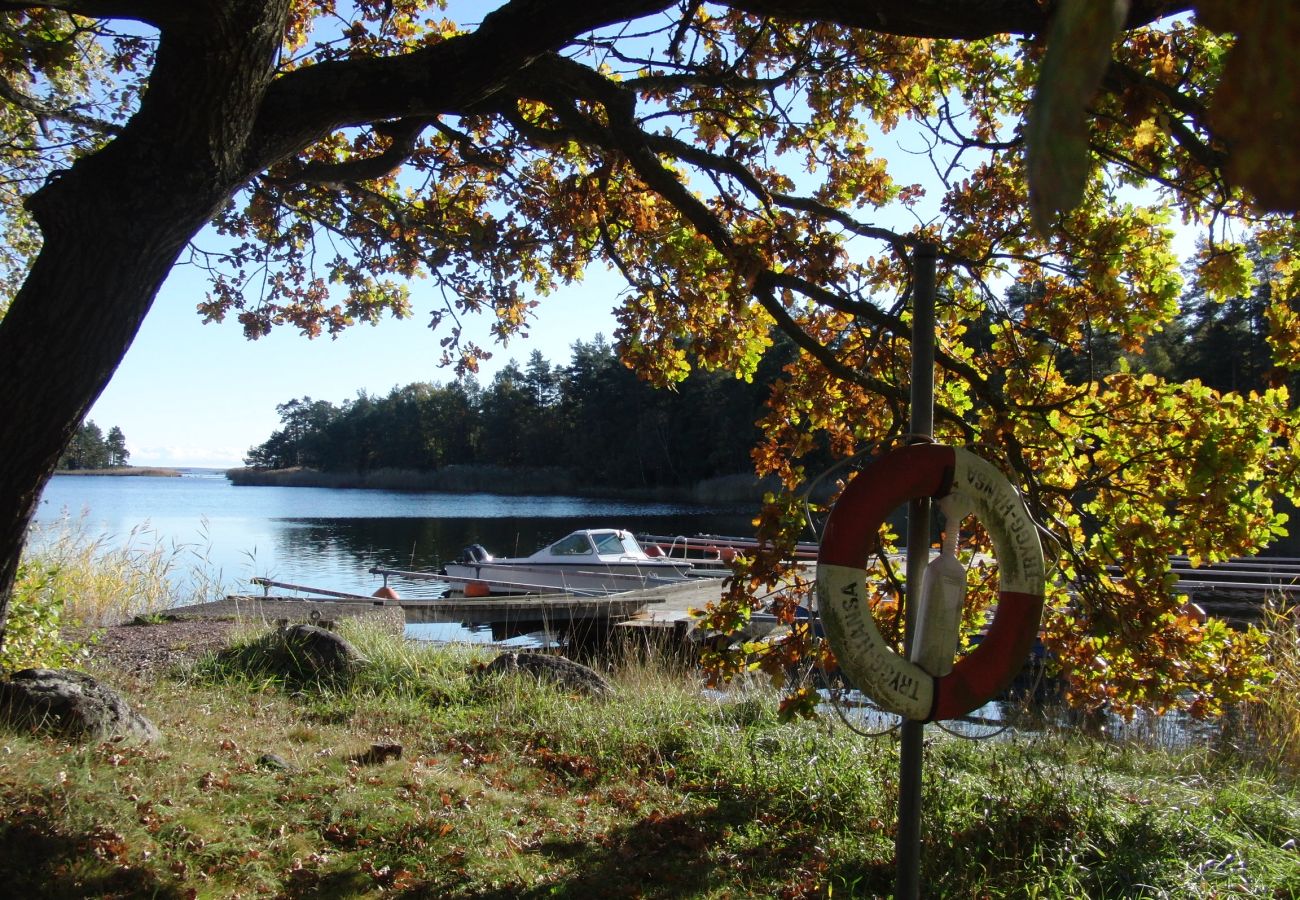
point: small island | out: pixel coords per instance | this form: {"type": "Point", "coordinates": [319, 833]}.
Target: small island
{"type": "Point", "coordinates": [91, 452]}
{"type": "Point", "coordinates": [149, 471]}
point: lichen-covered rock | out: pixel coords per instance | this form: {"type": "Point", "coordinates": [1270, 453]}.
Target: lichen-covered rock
{"type": "Point", "coordinates": [70, 704]}
{"type": "Point", "coordinates": [557, 669]}
{"type": "Point", "coordinates": [303, 655]}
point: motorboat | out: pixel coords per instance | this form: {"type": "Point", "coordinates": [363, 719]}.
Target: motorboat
{"type": "Point", "coordinates": [587, 562]}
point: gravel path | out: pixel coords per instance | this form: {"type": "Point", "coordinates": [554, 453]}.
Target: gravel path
{"type": "Point", "coordinates": [190, 632]}
{"type": "Point", "coordinates": [147, 649]}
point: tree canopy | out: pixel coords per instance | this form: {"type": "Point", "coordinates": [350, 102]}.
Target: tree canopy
{"type": "Point", "coordinates": [371, 158]}
{"type": "Point", "coordinates": [592, 420]}
{"type": "Point", "coordinates": [90, 448]}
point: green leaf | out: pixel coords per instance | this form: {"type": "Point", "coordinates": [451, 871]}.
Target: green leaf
{"type": "Point", "coordinates": [1078, 52]}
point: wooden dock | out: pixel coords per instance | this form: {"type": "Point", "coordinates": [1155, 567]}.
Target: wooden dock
{"type": "Point", "coordinates": [272, 611]}
{"type": "Point", "coordinates": [672, 611]}
{"type": "Point", "coordinates": [664, 609]}
{"type": "Point", "coordinates": [1233, 590]}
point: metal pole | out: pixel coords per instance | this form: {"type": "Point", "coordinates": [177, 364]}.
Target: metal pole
{"type": "Point", "coordinates": [907, 843]}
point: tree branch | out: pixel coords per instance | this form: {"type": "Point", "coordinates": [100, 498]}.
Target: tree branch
{"type": "Point", "coordinates": [152, 12]}
{"type": "Point", "coordinates": [404, 135]}
{"type": "Point", "coordinates": [449, 77]}
{"type": "Point", "coordinates": [43, 111]}
{"type": "Point", "coordinates": [958, 19]}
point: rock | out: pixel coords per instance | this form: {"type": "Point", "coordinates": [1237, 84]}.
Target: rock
{"type": "Point", "coordinates": [564, 672]}
{"type": "Point", "coordinates": [320, 653]}
{"type": "Point", "coordinates": [71, 704]}
{"type": "Point", "coordinates": [274, 761]}
{"type": "Point", "coordinates": [378, 753]}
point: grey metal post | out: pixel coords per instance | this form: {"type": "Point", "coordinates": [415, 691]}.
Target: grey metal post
{"type": "Point", "coordinates": [907, 843]}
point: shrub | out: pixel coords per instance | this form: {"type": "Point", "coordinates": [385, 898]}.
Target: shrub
{"type": "Point", "coordinates": [32, 629]}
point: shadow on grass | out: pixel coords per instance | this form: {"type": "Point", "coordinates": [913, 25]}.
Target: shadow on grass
{"type": "Point", "coordinates": [36, 862]}
{"type": "Point", "coordinates": [678, 855]}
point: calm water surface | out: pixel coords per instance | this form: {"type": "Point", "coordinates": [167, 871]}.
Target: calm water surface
{"type": "Point", "coordinates": [330, 538]}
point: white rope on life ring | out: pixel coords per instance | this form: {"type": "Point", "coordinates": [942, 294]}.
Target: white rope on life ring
{"type": "Point", "coordinates": [851, 535]}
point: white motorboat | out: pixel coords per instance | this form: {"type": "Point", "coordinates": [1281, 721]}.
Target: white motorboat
{"type": "Point", "coordinates": [592, 561]}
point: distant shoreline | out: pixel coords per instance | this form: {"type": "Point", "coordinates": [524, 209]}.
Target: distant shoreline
{"type": "Point", "coordinates": [125, 471]}
{"type": "Point", "coordinates": [741, 488]}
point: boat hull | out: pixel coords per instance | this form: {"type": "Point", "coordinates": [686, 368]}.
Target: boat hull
{"type": "Point", "coordinates": [537, 578]}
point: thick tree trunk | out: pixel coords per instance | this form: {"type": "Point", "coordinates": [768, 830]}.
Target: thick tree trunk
{"type": "Point", "coordinates": [113, 226]}
{"type": "Point", "coordinates": [102, 264]}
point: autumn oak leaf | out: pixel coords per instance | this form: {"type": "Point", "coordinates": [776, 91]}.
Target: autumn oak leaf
{"type": "Point", "coordinates": [1079, 45]}
{"type": "Point", "coordinates": [1255, 110]}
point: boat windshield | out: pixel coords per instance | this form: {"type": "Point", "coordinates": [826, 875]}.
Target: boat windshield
{"type": "Point", "coordinates": [611, 542]}
{"type": "Point", "coordinates": [574, 545]}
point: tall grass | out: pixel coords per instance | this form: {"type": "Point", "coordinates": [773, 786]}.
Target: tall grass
{"type": "Point", "coordinates": [511, 787]}
{"type": "Point", "coordinates": [106, 580]}
{"type": "Point", "coordinates": [1274, 717]}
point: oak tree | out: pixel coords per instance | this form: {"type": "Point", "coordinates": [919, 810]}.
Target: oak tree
{"type": "Point", "coordinates": [359, 158]}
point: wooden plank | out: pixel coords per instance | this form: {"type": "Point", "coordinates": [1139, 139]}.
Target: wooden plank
{"type": "Point", "coordinates": [557, 611]}
{"type": "Point", "coordinates": [270, 610]}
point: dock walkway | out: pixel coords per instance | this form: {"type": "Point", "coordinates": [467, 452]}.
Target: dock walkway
{"type": "Point", "coordinates": [666, 607]}
{"type": "Point", "coordinates": [271, 611]}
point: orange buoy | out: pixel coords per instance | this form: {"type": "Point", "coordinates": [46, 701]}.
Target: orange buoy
{"type": "Point", "coordinates": [386, 593]}
{"type": "Point", "coordinates": [727, 554]}
{"type": "Point", "coordinates": [477, 589]}
{"type": "Point", "coordinates": [654, 550]}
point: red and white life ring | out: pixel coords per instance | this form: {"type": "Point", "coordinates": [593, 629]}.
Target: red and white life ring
{"type": "Point", "coordinates": [851, 535]}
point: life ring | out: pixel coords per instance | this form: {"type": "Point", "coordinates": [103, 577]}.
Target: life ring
{"type": "Point", "coordinates": [851, 535]}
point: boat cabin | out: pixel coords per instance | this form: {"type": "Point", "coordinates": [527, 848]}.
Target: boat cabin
{"type": "Point", "coordinates": [603, 542]}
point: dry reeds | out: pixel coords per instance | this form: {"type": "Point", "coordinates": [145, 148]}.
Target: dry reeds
{"type": "Point", "coordinates": [99, 580]}
{"type": "Point", "coordinates": [1274, 717]}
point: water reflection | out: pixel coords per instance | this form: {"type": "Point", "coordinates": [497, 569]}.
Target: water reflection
{"type": "Point", "coordinates": [1016, 716]}
{"type": "Point", "coordinates": [992, 720]}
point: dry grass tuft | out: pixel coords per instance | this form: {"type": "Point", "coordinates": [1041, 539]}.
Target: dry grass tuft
{"type": "Point", "coordinates": [100, 581]}
{"type": "Point", "coordinates": [1274, 717]}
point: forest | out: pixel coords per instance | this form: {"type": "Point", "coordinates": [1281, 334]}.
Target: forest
{"type": "Point", "coordinates": [595, 418]}
{"type": "Point", "coordinates": [91, 448]}
{"type": "Point", "coordinates": [591, 416]}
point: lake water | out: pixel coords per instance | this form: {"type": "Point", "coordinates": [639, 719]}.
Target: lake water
{"type": "Point", "coordinates": [330, 538]}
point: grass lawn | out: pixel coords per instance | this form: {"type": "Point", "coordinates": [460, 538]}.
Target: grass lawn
{"type": "Point", "coordinates": [510, 788]}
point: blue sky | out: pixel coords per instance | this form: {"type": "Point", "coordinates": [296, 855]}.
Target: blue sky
{"type": "Point", "coordinates": [189, 394]}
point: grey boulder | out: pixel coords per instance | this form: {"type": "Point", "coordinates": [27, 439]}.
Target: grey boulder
{"type": "Point", "coordinates": [72, 705]}
{"type": "Point", "coordinates": [563, 672]}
